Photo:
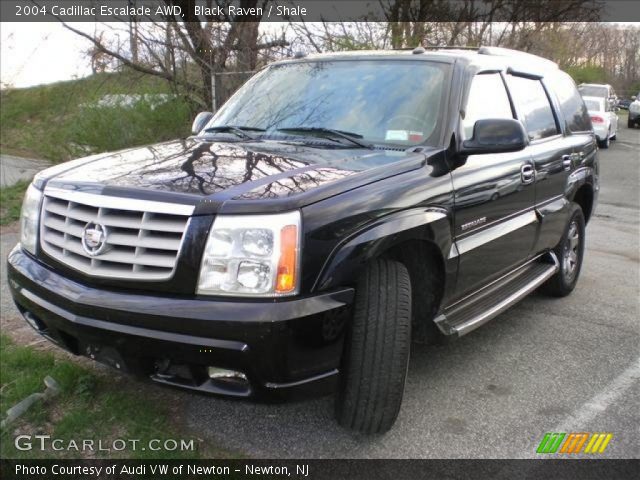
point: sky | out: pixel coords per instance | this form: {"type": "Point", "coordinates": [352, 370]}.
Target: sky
{"type": "Point", "coordinates": [41, 52]}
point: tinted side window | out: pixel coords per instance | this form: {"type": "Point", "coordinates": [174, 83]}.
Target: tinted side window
{"type": "Point", "coordinates": [487, 99]}
{"type": "Point", "coordinates": [573, 109]}
{"type": "Point", "coordinates": [534, 104]}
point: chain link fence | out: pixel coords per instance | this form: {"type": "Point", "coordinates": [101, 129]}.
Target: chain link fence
{"type": "Point", "coordinates": [224, 84]}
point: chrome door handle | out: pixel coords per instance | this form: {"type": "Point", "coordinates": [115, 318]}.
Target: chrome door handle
{"type": "Point", "coordinates": [569, 161]}
{"type": "Point", "coordinates": [527, 173]}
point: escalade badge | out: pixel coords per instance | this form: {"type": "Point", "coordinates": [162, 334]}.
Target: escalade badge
{"type": "Point", "coordinates": [94, 238]}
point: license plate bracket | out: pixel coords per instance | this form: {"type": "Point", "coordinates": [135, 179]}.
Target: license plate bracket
{"type": "Point", "coordinates": [106, 355]}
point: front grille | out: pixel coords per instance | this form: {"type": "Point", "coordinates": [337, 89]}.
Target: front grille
{"type": "Point", "coordinates": [139, 240]}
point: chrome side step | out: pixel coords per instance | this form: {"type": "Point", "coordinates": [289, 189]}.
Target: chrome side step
{"type": "Point", "coordinates": [480, 307]}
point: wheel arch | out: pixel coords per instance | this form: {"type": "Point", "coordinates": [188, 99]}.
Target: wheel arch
{"type": "Point", "coordinates": [420, 238]}
{"type": "Point", "coordinates": [584, 197]}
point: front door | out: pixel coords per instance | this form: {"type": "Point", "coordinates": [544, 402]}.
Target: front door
{"type": "Point", "coordinates": [495, 222]}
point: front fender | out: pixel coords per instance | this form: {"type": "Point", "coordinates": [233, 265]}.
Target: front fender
{"type": "Point", "coordinates": [430, 224]}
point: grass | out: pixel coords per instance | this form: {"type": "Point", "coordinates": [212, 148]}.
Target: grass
{"type": "Point", "coordinates": [11, 202]}
{"type": "Point", "coordinates": [57, 122]}
{"type": "Point", "coordinates": [90, 406]}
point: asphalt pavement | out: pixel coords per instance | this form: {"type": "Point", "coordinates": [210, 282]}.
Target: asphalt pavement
{"type": "Point", "coordinates": [546, 365]}
{"type": "Point", "coordinates": [13, 169]}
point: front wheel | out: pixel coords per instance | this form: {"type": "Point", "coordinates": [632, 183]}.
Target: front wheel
{"type": "Point", "coordinates": [570, 252]}
{"type": "Point", "coordinates": [376, 349]}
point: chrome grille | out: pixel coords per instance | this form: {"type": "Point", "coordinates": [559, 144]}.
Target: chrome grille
{"type": "Point", "coordinates": [141, 242]}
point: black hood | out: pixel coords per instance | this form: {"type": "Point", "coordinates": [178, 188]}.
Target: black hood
{"type": "Point", "coordinates": [238, 172]}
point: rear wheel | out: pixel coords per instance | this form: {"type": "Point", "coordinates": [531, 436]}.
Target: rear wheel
{"type": "Point", "coordinates": [629, 124]}
{"type": "Point", "coordinates": [570, 252]}
{"type": "Point", "coordinates": [376, 350]}
{"type": "Point", "coordinates": [606, 142]}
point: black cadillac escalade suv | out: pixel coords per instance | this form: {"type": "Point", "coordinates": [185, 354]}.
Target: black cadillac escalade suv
{"type": "Point", "coordinates": [333, 209]}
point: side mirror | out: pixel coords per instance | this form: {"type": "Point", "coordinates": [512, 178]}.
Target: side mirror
{"type": "Point", "coordinates": [497, 135]}
{"type": "Point", "coordinates": [200, 121]}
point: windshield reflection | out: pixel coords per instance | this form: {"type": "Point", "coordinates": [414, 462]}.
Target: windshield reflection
{"type": "Point", "coordinates": [386, 102]}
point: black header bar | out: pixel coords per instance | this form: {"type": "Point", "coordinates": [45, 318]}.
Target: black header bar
{"type": "Point", "coordinates": [320, 10]}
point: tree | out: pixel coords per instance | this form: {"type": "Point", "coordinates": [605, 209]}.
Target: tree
{"type": "Point", "coordinates": [187, 51]}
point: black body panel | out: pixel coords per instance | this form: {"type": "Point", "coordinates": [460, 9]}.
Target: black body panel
{"type": "Point", "coordinates": [276, 344]}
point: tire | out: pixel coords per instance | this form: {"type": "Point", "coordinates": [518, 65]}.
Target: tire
{"type": "Point", "coordinates": [376, 350]}
{"type": "Point", "coordinates": [570, 253]}
{"type": "Point", "coordinates": [629, 124]}
{"type": "Point", "coordinates": [606, 142]}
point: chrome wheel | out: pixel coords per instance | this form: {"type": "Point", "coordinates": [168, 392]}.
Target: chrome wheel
{"type": "Point", "coordinates": [570, 257]}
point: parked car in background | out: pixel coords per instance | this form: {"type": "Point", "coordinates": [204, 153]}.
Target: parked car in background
{"type": "Point", "coordinates": [634, 112]}
{"type": "Point", "coordinates": [603, 118]}
{"type": "Point", "coordinates": [601, 90]}
{"type": "Point", "coordinates": [624, 103]}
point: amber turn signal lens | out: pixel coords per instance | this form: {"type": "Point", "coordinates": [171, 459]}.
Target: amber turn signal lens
{"type": "Point", "coordinates": [286, 279]}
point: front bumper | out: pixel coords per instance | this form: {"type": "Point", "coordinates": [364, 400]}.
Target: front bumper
{"type": "Point", "coordinates": [634, 117]}
{"type": "Point", "coordinates": [284, 348]}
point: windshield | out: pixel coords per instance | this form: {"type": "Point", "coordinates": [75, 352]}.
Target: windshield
{"type": "Point", "coordinates": [381, 102]}
{"type": "Point", "coordinates": [593, 105]}
{"type": "Point", "coordinates": [593, 91]}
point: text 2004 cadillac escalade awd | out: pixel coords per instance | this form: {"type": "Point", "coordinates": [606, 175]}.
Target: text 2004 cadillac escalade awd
{"type": "Point", "coordinates": [333, 209]}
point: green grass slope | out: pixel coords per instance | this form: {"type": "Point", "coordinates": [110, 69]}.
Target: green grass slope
{"type": "Point", "coordinates": [56, 122]}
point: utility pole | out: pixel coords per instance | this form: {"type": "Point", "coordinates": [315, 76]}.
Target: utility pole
{"type": "Point", "coordinates": [133, 33]}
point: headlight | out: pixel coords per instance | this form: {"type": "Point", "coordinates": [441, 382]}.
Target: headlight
{"type": "Point", "coordinates": [29, 219]}
{"type": "Point", "coordinates": [252, 255]}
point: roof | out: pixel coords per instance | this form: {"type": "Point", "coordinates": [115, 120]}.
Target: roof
{"type": "Point", "coordinates": [481, 57]}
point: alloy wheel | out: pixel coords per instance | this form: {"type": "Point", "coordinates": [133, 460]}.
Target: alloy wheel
{"type": "Point", "coordinates": [571, 252]}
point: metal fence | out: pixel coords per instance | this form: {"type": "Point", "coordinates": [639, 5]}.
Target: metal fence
{"type": "Point", "coordinates": [224, 84]}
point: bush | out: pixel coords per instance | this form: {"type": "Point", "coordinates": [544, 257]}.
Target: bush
{"type": "Point", "coordinates": [104, 128]}
{"type": "Point", "coordinates": [57, 122]}
{"type": "Point", "coordinates": [588, 74]}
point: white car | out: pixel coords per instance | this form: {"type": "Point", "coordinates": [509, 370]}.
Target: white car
{"type": "Point", "coordinates": [603, 90]}
{"type": "Point", "coordinates": [603, 118]}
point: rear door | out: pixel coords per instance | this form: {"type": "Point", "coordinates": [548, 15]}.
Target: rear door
{"type": "Point", "coordinates": [560, 158]}
{"type": "Point", "coordinates": [495, 224]}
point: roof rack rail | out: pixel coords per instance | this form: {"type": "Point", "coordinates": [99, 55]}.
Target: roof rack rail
{"type": "Point", "coordinates": [433, 47]}
{"type": "Point", "coordinates": [507, 52]}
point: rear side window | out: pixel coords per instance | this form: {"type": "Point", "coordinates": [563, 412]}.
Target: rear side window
{"type": "Point", "coordinates": [532, 100]}
{"type": "Point", "coordinates": [487, 99]}
{"type": "Point", "coordinates": [573, 108]}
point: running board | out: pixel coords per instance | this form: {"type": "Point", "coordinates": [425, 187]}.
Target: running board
{"type": "Point", "coordinates": [478, 308]}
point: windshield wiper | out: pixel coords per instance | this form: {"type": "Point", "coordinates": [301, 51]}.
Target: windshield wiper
{"type": "Point", "coordinates": [237, 130]}
{"type": "Point", "coordinates": [330, 134]}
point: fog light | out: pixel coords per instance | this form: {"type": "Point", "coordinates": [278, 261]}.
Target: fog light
{"type": "Point", "coordinates": [216, 373]}
{"type": "Point", "coordinates": [33, 321]}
